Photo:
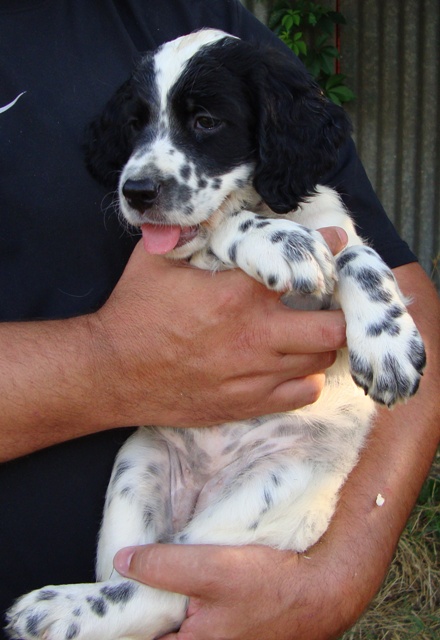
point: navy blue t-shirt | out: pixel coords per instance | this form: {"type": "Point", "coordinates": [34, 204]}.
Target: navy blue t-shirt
{"type": "Point", "coordinates": [62, 248]}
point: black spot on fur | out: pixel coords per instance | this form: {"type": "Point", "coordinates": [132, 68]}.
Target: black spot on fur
{"type": "Point", "coordinates": [345, 258]}
{"type": "Point", "coordinates": [182, 538]}
{"type": "Point", "coordinates": [183, 193]}
{"type": "Point", "coordinates": [97, 605]}
{"type": "Point", "coordinates": [360, 367]}
{"type": "Point", "coordinates": [154, 469]}
{"type": "Point", "coordinates": [246, 225]}
{"type": "Point", "coordinates": [126, 492]}
{"type": "Point", "coordinates": [121, 468]}
{"type": "Point", "coordinates": [72, 631]}
{"type": "Point", "coordinates": [386, 326]}
{"type": "Point", "coordinates": [371, 282]}
{"type": "Point", "coordinates": [297, 247]}
{"type": "Point", "coordinates": [46, 594]}
{"type": "Point", "coordinates": [33, 623]}
{"type": "Point", "coordinates": [232, 252]}
{"type": "Point", "coordinates": [417, 355]}
{"type": "Point", "coordinates": [148, 516]}
{"type": "Point", "coordinates": [278, 236]}
{"type": "Point", "coordinates": [120, 593]}
{"type": "Point", "coordinates": [268, 501]}
{"type": "Point", "coordinates": [185, 172]}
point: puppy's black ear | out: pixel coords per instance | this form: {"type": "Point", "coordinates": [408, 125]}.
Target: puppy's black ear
{"type": "Point", "coordinates": [109, 139]}
{"type": "Point", "coordinates": [299, 132]}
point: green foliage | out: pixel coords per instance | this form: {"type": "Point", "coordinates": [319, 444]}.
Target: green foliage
{"type": "Point", "coordinates": [308, 29]}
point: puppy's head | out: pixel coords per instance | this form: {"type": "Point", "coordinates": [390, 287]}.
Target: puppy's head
{"type": "Point", "coordinates": [207, 117]}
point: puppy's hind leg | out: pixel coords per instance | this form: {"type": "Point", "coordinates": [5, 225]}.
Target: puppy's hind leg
{"type": "Point", "coordinates": [137, 507]}
{"type": "Point", "coordinates": [286, 505]}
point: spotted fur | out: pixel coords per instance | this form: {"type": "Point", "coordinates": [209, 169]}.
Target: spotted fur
{"type": "Point", "coordinates": [220, 138]}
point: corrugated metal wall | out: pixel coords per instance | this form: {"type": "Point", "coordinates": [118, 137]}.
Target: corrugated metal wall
{"type": "Point", "coordinates": [391, 55]}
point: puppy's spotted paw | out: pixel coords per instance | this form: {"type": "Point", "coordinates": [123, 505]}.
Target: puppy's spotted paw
{"type": "Point", "coordinates": [282, 254]}
{"type": "Point", "coordinates": [387, 371]}
{"type": "Point", "coordinates": [387, 355]}
{"type": "Point", "coordinates": [65, 612]}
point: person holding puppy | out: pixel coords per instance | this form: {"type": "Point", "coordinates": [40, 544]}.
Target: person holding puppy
{"type": "Point", "coordinates": [97, 337]}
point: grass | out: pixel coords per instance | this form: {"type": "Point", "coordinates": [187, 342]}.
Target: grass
{"type": "Point", "coordinates": [435, 273]}
{"type": "Point", "coordinates": [408, 605]}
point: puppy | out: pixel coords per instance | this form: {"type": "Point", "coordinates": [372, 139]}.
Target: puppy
{"type": "Point", "coordinates": [217, 149]}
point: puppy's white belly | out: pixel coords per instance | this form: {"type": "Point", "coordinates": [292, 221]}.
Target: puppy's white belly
{"type": "Point", "coordinates": [205, 462]}
{"type": "Point", "coordinates": [201, 475]}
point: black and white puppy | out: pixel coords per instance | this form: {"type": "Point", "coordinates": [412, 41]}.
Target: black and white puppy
{"type": "Point", "coordinates": [209, 142]}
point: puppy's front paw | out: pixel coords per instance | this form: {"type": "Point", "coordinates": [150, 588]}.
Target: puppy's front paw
{"type": "Point", "coordinates": [387, 356]}
{"type": "Point", "coordinates": [283, 255]}
{"type": "Point", "coordinates": [388, 361]}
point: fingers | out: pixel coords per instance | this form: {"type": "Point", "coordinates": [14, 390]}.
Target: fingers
{"type": "Point", "coordinates": [296, 393]}
{"type": "Point", "coordinates": [303, 332]}
{"type": "Point", "coordinates": [185, 569]}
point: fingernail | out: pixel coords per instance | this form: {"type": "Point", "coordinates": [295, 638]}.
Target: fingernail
{"type": "Point", "coordinates": [342, 235]}
{"type": "Point", "coordinates": [122, 560]}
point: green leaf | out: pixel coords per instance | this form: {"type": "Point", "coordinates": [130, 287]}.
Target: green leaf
{"type": "Point", "coordinates": [314, 68]}
{"type": "Point", "coordinates": [287, 22]}
{"type": "Point", "coordinates": [320, 42]}
{"type": "Point", "coordinates": [302, 48]}
{"type": "Point", "coordinates": [342, 93]}
{"type": "Point", "coordinates": [327, 64]}
{"type": "Point", "coordinates": [334, 98]}
{"type": "Point", "coordinates": [330, 51]}
{"type": "Point", "coordinates": [335, 80]}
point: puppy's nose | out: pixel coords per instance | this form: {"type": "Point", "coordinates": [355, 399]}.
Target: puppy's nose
{"type": "Point", "coordinates": [141, 194]}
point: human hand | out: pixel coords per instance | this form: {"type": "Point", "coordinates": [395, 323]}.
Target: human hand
{"type": "Point", "coordinates": [241, 593]}
{"type": "Point", "coordinates": [177, 345]}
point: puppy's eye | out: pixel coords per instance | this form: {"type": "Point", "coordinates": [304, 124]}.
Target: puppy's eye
{"type": "Point", "coordinates": [139, 117]}
{"type": "Point", "coordinates": [206, 123]}
{"type": "Point", "coordinates": [135, 123]}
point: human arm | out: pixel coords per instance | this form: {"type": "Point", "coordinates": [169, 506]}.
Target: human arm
{"type": "Point", "coordinates": [255, 592]}
{"type": "Point", "coordinates": [170, 343]}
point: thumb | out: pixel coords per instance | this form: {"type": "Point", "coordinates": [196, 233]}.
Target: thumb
{"type": "Point", "coordinates": [185, 569]}
{"type": "Point", "coordinates": [335, 237]}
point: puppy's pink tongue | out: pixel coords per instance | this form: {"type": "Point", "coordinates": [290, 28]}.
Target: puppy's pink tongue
{"type": "Point", "coordinates": [159, 239]}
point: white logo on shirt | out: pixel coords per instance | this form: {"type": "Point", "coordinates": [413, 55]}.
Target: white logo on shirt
{"type": "Point", "coordinates": [11, 104]}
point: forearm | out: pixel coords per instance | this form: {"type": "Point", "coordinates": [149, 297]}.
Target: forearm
{"type": "Point", "coordinates": [50, 386]}
{"type": "Point", "coordinates": [356, 551]}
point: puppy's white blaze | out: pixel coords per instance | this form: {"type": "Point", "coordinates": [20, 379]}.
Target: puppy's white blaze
{"type": "Point", "coordinates": [162, 154]}
{"type": "Point", "coordinates": [172, 57]}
